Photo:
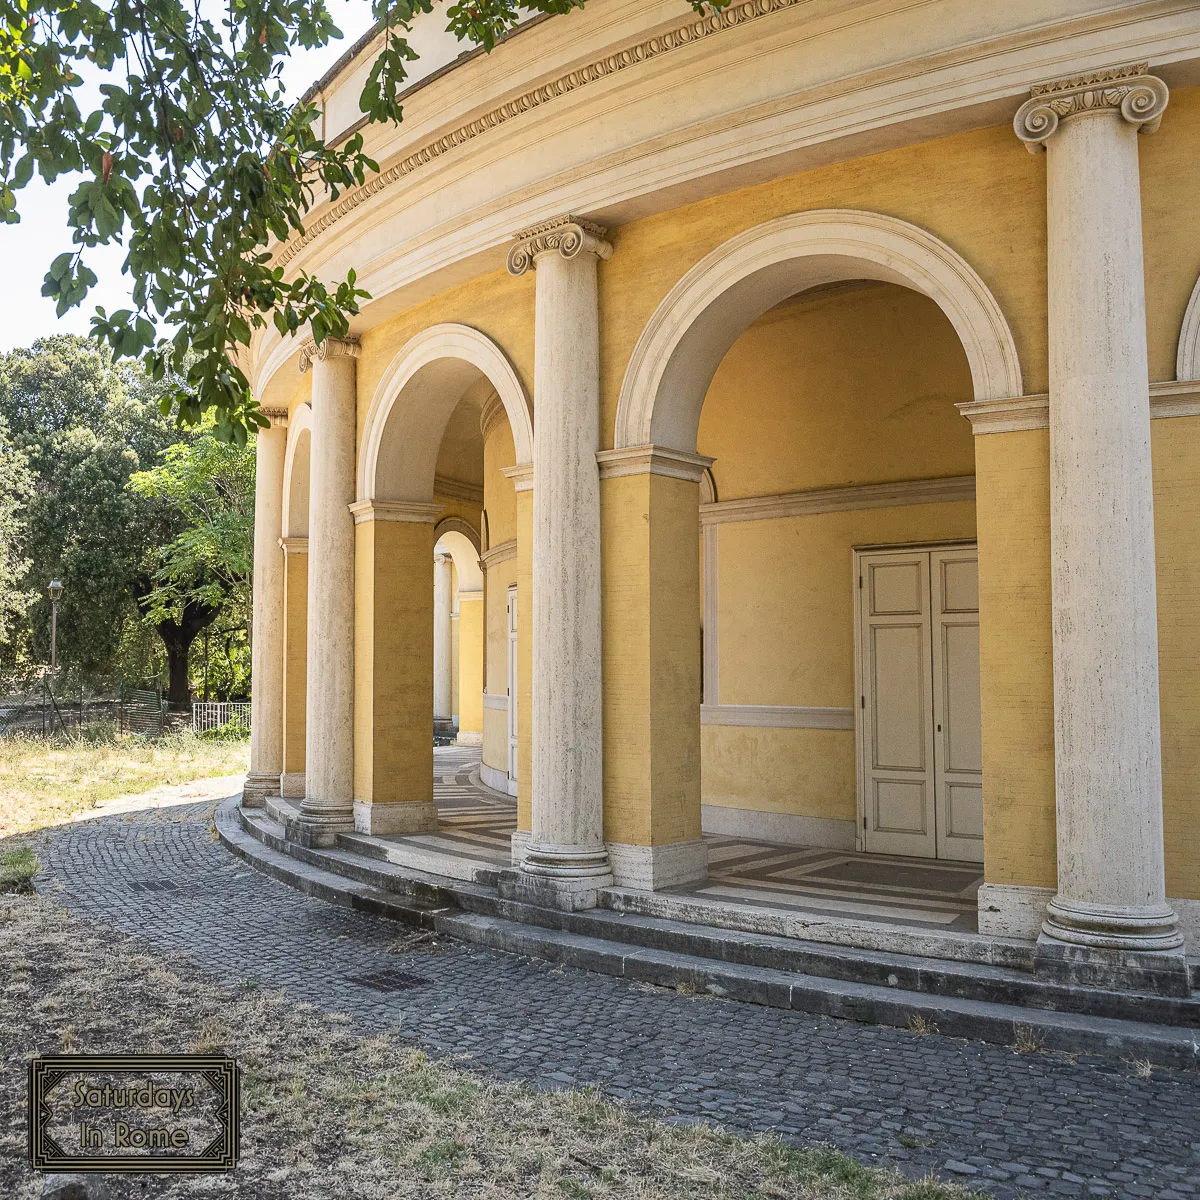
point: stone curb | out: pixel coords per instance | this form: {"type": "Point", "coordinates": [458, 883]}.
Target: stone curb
{"type": "Point", "coordinates": [441, 909]}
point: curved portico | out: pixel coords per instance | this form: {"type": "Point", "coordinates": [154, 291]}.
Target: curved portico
{"type": "Point", "coordinates": [668, 392]}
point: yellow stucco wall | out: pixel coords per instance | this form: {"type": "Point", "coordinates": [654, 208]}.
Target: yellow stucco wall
{"type": "Point", "coordinates": [650, 576]}
{"type": "Point", "coordinates": [855, 387]}
{"type": "Point", "coordinates": [393, 662]}
{"type": "Point", "coordinates": [295, 660]}
{"type": "Point", "coordinates": [1176, 447]}
{"type": "Point", "coordinates": [1170, 170]}
{"type": "Point", "coordinates": [1012, 499]}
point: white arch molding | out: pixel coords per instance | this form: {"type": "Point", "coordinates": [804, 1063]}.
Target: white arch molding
{"type": "Point", "coordinates": [1187, 356]}
{"type": "Point", "coordinates": [295, 519]}
{"type": "Point", "coordinates": [420, 386]}
{"type": "Point", "coordinates": [727, 290]}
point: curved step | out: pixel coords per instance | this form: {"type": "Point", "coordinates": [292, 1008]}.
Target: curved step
{"type": "Point", "coordinates": [626, 947]}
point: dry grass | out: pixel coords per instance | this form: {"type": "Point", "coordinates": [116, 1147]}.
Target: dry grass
{"type": "Point", "coordinates": [329, 1114]}
{"type": "Point", "coordinates": [48, 781]}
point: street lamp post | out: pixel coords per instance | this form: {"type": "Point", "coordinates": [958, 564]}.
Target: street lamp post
{"type": "Point", "coordinates": [56, 590]}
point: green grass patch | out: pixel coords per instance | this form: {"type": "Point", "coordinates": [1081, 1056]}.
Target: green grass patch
{"type": "Point", "coordinates": [17, 869]}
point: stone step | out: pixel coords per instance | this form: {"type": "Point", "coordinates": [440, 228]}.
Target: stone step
{"type": "Point", "coordinates": [921, 973]}
{"type": "Point", "coordinates": [976, 1002]}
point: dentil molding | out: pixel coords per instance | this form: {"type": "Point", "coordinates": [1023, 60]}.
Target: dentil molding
{"type": "Point", "coordinates": [331, 347]}
{"type": "Point", "coordinates": [1139, 97]}
{"type": "Point", "coordinates": [570, 236]}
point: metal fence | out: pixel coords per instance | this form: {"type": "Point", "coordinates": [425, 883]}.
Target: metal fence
{"type": "Point", "coordinates": [214, 714]}
{"type": "Point", "coordinates": [43, 704]}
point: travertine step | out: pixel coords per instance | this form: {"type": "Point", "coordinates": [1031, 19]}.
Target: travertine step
{"type": "Point", "coordinates": [960, 999]}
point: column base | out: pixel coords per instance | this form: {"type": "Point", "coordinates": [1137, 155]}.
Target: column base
{"type": "Point", "coordinates": [257, 788]}
{"type": "Point", "coordinates": [320, 828]}
{"type": "Point", "coordinates": [651, 868]}
{"type": "Point", "coordinates": [1130, 949]}
{"type": "Point", "coordinates": [394, 820]}
{"type": "Point", "coordinates": [568, 878]}
{"type": "Point", "coordinates": [1158, 972]}
{"type": "Point", "coordinates": [292, 785]}
{"type": "Point", "coordinates": [519, 844]}
{"type": "Point", "coordinates": [469, 737]}
{"type": "Point", "coordinates": [443, 727]}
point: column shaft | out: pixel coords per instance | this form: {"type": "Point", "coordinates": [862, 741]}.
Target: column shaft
{"type": "Point", "coordinates": [1107, 759]}
{"type": "Point", "coordinates": [566, 857]}
{"type": "Point", "coordinates": [266, 724]}
{"type": "Point", "coordinates": [295, 664]}
{"type": "Point", "coordinates": [443, 665]}
{"type": "Point", "coordinates": [328, 805]}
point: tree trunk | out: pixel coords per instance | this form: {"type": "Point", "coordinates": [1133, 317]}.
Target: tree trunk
{"type": "Point", "coordinates": [177, 637]}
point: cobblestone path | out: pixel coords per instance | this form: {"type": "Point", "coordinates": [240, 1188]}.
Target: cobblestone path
{"type": "Point", "coordinates": [1016, 1124]}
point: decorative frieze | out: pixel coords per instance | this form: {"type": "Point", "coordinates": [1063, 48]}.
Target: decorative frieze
{"type": "Point", "coordinates": [331, 347]}
{"type": "Point", "coordinates": [596, 71]}
{"type": "Point", "coordinates": [1139, 97]}
{"type": "Point", "coordinates": [277, 416]}
{"type": "Point", "coordinates": [570, 236]}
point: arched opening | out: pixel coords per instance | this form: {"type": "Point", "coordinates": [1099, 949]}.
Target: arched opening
{"type": "Point", "coordinates": [817, 360]}
{"type": "Point", "coordinates": [294, 540]}
{"type": "Point", "coordinates": [447, 417]}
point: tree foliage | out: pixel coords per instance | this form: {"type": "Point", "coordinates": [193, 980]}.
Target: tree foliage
{"type": "Point", "coordinates": [195, 160]}
{"type": "Point", "coordinates": [144, 526]}
{"type": "Point", "coordinates": [16, 490]}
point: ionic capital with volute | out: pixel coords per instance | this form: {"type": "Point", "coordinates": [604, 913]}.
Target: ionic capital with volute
{"type": "Point", "coordinates": [1139, 97]}
{"type": "Point", "coordinates": [570, 236]}
{"type": "Point", "coordinates": [331, 347]}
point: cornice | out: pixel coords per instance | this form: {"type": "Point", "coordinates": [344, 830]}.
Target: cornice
{"type": "Point", "coordinates": [652, 460]}
{"type": "Point", "coordinates": [777, 716]}
{"type": "Point", "coordinates": [843, 499]}
{"type": "Point", "coordinates": [570, 236]}
{"type": "Point", "coordinates": [1169, 398]}
{"type": "Point", "coordinates": [562, 85]}
{"type": "Point", "coordinates": [457, 489]}
{"type": "Point", "coordinates": [1139, 97]}
{"type": "Point", "coordinates": [409, 511]}
{"type": "Point", "coordinates": [498, 554]}
{"type": "Point", "coordinates": [331, 347]}
{"type": "Point", "coordinates": [277, 416]}
{"type": "Point", "coordinates": [294, 545]}
{"type": "Point", "coordinates": [521, 476]}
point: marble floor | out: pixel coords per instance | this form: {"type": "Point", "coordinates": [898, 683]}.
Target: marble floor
{"type": "Point", "coordinates": [477, 824]}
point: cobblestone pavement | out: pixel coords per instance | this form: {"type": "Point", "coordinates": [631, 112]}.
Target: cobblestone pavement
{"type": "Point", "coordinates": [1016, 1124]}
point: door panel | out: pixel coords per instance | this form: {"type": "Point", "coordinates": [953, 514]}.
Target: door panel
{"type": "Point", "coordinates": [958, 726]}
{"type": "Point", "coordinates": [896, 708]}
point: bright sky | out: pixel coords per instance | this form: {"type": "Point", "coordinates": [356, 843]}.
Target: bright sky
{"type": "Point", "coordinates": [27, 249]}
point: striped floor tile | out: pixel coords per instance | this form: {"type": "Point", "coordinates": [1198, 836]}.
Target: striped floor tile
{"type": "Point", "coordinates": [477, 823]}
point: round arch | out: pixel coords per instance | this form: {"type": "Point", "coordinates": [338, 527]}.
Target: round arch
{"type": "Point", "coordinates": [295, 471]}
{"type": "Point", "coordinates": [439, 363]}
{"type": "Point", "coordinates": [1187, 356]}
{"type": "Point", "coordinates": [456, 541]}
{"type": "Point", "coordinates": [457, 525]}
{"type": "Point", "coordinates": [727, 290]}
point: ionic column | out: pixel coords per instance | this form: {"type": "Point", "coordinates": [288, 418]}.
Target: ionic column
{"type": "Point", "coordinates": [1111, 895]}
{"type": "Point", "coordinates": [566, 860]}
{"type": "Point", "coordinates": [266, 664]}
{"type": "Point", "coordinates": [443, 642]}
{"type": "Point", "coordinates": [328, 805]}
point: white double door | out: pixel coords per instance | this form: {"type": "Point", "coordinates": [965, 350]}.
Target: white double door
{"type": "Point", "coordinates": [919, 733]}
